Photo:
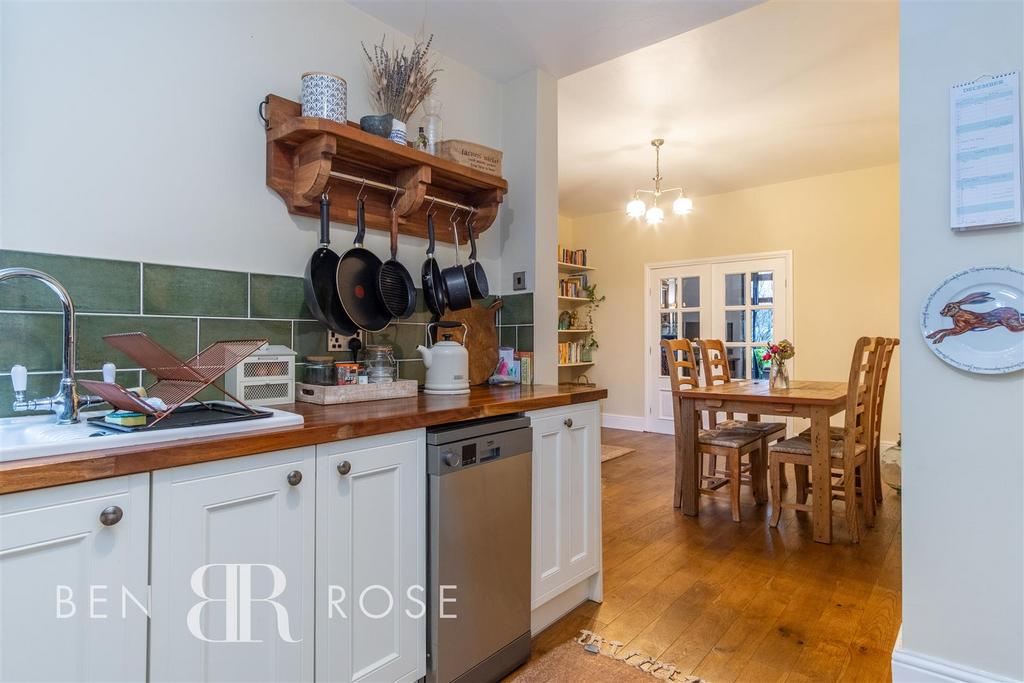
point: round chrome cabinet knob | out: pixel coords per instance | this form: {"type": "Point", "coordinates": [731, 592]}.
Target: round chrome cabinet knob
{"type": "Point", "coordinates": [111, 515]}
{"type": "Point", "coordinates": [344, 467]}
{"type": "Point", "coordinates": [453, 459]}
{"type": "Point", "coordinates": [568, 422]}
{"type": "Point", "coordinates": [295, 478]}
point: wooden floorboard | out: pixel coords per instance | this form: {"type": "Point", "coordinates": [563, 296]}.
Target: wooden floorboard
{"type": "Point", "coordinates": [736, 602]}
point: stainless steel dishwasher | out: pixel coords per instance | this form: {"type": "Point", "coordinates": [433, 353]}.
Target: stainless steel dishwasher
{"type": "Point", "coordinates": [478, 567]}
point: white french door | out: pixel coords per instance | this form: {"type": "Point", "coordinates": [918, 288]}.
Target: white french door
{"type": "Point", "coordinates": [679, 307]}
{"type": "Point", "coordinates": [749, 311]}
{"type": "Point", "coordinates": [743, 301]}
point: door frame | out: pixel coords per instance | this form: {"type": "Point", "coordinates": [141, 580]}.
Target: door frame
{"type": "Point", "coordinates": [649, 268]}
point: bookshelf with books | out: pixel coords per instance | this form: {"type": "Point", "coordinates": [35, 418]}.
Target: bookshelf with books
{"type": "Point", "coordinates": [575, 300]}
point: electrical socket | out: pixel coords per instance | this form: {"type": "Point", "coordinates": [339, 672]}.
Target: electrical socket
{"type": "Point", "coordinates": [338, 342]}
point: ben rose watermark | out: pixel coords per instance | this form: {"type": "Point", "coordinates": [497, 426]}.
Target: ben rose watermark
{"type": "Point", "coordinates": [238, 601]}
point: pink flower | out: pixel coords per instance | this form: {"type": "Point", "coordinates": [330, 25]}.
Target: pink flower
{"type": "Point", "coordinates": [775, 348]}
{"type": "Point", "coordinates": [766, 356]}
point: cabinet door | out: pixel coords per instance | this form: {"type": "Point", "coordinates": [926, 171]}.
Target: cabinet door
{"type": "Point", "coordinates": [550, 507]}
{"type": "Point", "coordinates": [583, 491]}
{"type": "Point", "coordinates": [371, 559]}
{"type": "Point", "coordinates": [232, 569]}
{"type": "Point", "coordinates": [566, 499]}
{"type": "Point", "coordinates": [54, 551]}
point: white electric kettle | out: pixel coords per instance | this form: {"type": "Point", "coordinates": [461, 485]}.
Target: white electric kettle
{"type": "Point", "coordinates": [447, 362]}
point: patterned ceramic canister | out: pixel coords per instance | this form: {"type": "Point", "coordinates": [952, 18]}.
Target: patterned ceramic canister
{"type": "Point", "coordinates": [324, 96]}
{"type": "Point", "coordinates": [397, 132]}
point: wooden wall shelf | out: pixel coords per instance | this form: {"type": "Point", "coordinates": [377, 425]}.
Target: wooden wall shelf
{"type": "Point", "coordinates": [302, 152]}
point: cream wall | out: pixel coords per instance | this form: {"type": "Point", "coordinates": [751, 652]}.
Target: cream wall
{"type": "Point", "coordinates": [963, 553]}
{"type": "Point", "coordinates": [843, 230]}
{"type": "Point", "coordinates": [130, 128]}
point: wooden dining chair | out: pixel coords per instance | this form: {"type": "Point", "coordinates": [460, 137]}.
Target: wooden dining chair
{"type": "Point", "coordinates": [876, 453]}
{"type": "Point", "coordinates": [715, 364]}
{"type": "Point", "coordinates": [889, 345]}
{"type": "Point", "coordinates": [850, 453]}
{"type": "Point", "coordinates": [732, 444]}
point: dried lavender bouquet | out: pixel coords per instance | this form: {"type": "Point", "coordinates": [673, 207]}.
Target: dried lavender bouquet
{"type": "Point", "coordinates": [399, 82]}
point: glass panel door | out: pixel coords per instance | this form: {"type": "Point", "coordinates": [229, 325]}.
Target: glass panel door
{"type": "Point", "coordinates": [749, 312]}
{"type": "Point", "coordinates": [680, 308]}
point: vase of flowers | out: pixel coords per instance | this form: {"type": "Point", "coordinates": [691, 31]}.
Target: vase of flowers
{"type": "Point", "coordinates": [399, 82]}
{"type": "Point", "coordinates": [778, 354]}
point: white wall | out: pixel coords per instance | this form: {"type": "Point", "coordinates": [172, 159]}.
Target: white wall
{"type": "Point", "coordinates": [963, 459]}
{"type": "Point", "coordinates": [529, 220]}
{"type": "Point", "coordinates": [130, 128]}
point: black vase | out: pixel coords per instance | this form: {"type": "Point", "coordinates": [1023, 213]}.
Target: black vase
{"type": "Point", "coordinates": [377, 124]}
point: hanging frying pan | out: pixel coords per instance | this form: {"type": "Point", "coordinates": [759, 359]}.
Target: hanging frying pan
{"type": "Point", "coordinates": [433, 286]}
{"type": "Point", "coordinates": [475, 274]}
{"type": "Point", "coordinates": [456, 286]}
{"type": "Point", "coordinates": [321, 293]}
{"type": "Point", "coordinates": [394, 282]}
{"type": "Point", "coordinates": [357, 281]}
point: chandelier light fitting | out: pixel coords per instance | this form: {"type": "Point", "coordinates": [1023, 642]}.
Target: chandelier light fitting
{"type": "Point", "coordinates": [653, 214]}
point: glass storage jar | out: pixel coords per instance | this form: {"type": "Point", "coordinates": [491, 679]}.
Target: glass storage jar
{"type": "Point", "coordinates": [381, 366]}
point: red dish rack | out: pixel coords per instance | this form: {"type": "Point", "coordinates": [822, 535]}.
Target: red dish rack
{"type": "Point", "coordinates": [177, 381]}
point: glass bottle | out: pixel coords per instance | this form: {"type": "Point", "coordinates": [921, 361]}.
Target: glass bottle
{"type": "Point", "coordinates": [432, 123]}
{"type": "Point", "coordinates": [421, 140]}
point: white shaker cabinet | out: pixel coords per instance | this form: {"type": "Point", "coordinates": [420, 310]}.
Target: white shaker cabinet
{"type": "Point", "coordinates": [566, 501]}
{"type": "Point", "coordinates": [69, 556]}
{"type": "Point", "coordinates": [232, 561]}
{"type": "Point", "coordinates": [371, 559]}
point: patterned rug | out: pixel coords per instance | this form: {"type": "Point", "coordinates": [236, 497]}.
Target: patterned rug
{"type": "Point", "coordinates": [609, 452]}
{"type": "Point", "coordinates": [592, 659]}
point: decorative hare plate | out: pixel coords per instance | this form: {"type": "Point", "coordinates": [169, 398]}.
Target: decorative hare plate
{"type": "Point", "coordinates": [974, 320]}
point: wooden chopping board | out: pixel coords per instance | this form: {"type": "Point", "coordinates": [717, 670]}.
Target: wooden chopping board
{"type": "Point", "coordinates": [482, 343]}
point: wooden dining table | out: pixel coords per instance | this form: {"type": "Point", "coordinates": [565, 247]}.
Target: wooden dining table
{"type": "Point", "coordinates": [818, 401]}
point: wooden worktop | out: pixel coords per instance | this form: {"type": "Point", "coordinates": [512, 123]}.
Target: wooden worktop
{"type": "Point", "coordinates": [323, 424]}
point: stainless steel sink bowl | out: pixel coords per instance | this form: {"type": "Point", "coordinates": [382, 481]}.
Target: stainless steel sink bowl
{"type": "Point", "coordinates": [35, 437]}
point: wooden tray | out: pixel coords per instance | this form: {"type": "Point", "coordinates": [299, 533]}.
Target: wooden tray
{"type": "Point", "coordinates": [354, 393]}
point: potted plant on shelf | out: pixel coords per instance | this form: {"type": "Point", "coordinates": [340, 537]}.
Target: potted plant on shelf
{"type": "Point", "coordinates": [399, 82]}
{"type": "Point", "coordinates": [593, 303]}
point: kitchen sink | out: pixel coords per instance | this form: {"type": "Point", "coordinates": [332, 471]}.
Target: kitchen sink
{"type": "Point", "coordinates": [35, 437]}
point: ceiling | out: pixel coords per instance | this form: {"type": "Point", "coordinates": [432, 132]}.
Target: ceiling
{"type": "Point", "coordinates": [505, 38]}
{"type": "Point", "coordinates": [779, 91]}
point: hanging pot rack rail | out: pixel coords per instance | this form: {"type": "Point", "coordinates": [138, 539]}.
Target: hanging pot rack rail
{"type": "Point", "coordinates": [306, 155]}
{"type": "Point", "coordinates": [367, 182]}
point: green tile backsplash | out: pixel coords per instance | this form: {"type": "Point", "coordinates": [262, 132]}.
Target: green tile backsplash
{"type": "Point", "coordinates": [173, 290]}
{"type": "Point", "coordinates": [96, 285]}
{"type": "Point", "coordinates": [184, 309]}
{"type": "Point", "coordinates": [277, 296]}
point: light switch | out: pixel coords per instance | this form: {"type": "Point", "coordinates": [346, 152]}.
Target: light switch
{"type": "Point", "coordinates": [519, 280]}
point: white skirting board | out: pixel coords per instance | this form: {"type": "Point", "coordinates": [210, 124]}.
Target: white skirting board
{"type": "Point", "coordinates": [628, 422]}
{"type": "Point", "coordinates": [914, 667]}
{"type": "Point", "coordinates": [590, 588]}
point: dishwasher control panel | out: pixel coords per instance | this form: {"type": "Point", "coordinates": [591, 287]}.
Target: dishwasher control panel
{"type": "Point", "coordinates": [447, 452]}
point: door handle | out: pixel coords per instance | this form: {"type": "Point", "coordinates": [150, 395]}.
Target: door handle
{"type": "Point", "coordinates": [111, 515]}
{"type": "Point", "coordinates": [344, 467]}
{"type": "Point", "coordinates": [294, 478]}
{"type": "Point", "coordinates": [568, 422]}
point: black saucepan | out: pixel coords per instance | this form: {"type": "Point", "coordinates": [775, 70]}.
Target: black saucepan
{"type": "Point", "coordinates": [394, 282]}
{"type": "Point", "coordinates": [433, 286]}
{"type": "Point", "coordinates": [456, 286]}
{"type": "Point", "coordinates": [321, 279]}
{"type": "Point", "coordinates": [475, 274]}
{"type": "Point", "coordinates": [357, 282]}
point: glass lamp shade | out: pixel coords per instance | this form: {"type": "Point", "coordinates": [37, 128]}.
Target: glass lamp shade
{"type": "Point", "coordinates": [682, 206]}
{"type": "Point", "coordinates": [636, 208]}
{"type": "Point", "coordinates": [655, 215]}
